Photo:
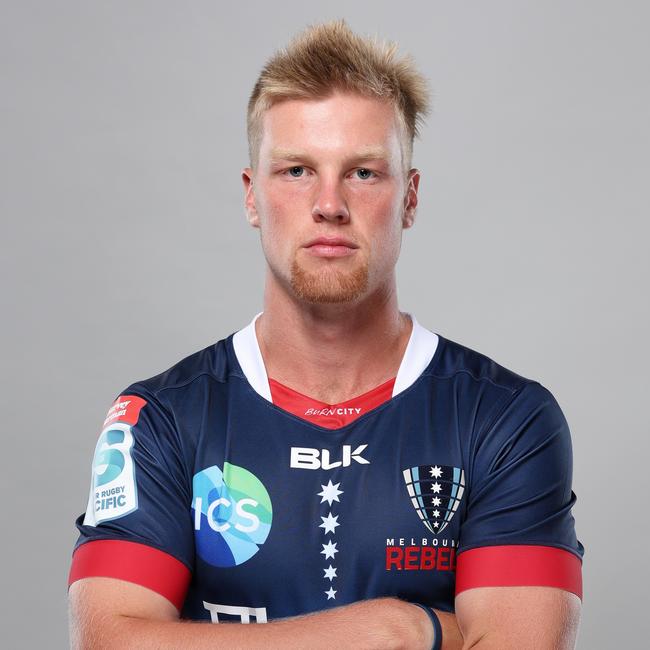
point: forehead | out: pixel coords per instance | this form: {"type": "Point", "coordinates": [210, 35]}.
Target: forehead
{"type": "Point", "coordinates": [335, 124]}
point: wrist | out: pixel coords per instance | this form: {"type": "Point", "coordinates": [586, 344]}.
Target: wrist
{"type": "Point", "coordinates": [433, 634]}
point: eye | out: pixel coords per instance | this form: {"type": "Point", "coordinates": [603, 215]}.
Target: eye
{"type": "Point", "coordinates": [365, 174]}
{"type": "Point", "coordinates": [296, 172]}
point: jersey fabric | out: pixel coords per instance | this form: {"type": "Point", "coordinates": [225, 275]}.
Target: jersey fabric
{"type": "Point", "coordinates": [235, 508]}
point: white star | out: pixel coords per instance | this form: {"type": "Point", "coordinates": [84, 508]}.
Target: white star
{"type": "Point", "coordinates": [330, 593]}
{"type": "Point", "coordinates": [436, 487]}
{"type": "Point", "coordinates": [329, 523]}
{"type": "Point", "coordinates": [435, 501]}
{"type": "Point", "coordinates": [436, 524]}
{"type": "Point", "coordinates": [436, 472]}
{"type": "Point", "coordinates": [330, 572]}
{"type": "Point", "coordinates": [436, 513]}
{"type": "Point", "coordinates": [330, 492]}
{"type": "Point", "coordinates": [329, 550]}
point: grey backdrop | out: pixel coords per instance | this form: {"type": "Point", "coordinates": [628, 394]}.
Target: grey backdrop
{"type": "Point", "coordinates": [124, 244]}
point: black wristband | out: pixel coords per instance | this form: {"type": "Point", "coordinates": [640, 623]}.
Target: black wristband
{"type": "Point", "coordinates": [437, 628]}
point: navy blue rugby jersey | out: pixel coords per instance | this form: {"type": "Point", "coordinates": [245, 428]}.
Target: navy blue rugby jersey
{"type": "Point", "coordinates": [234, 508]}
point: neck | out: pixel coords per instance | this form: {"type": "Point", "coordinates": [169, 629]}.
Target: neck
{"type": "Point", "coordinates": [334, 351]}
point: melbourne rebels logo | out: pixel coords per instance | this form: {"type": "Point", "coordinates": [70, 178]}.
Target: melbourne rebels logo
{"type": "Point", "coordinates": [232, 514]}
{"type": "Point", "coordinates": [435, 491]}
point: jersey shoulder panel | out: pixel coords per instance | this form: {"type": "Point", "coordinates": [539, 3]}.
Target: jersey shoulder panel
{"type": "Point", "coordinates": [475, 387]}
{"type": "Point", "coordinates": [455, 358]}
{"type": "Point", "coordinates": [212, 362]}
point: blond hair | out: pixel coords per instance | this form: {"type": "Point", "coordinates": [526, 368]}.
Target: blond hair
{"type": "Point", "coordinates": [328, 57]}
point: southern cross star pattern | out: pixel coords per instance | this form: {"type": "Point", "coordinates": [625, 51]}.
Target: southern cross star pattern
{"type": "Point", "coordinates": [330, 493]}
{"type": "Point", "coordinates": [435, 491]}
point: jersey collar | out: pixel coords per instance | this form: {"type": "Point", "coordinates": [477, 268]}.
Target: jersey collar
{"type": "Point", "coordinates": [419, 351]}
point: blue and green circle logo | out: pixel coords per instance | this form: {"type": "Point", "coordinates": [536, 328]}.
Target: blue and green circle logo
{"type": "Point", "coordinates": [232, 514]}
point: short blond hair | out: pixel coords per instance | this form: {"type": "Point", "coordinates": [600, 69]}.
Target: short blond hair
{"type": "Point", "coordinates": [330, 57]}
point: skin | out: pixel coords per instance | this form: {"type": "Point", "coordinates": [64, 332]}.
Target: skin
{"type": "Point", "coordinates": [331, 167]}
{"type": "Point", "coordinates": [347, 336]}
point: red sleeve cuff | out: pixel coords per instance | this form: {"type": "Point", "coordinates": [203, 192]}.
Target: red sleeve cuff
{"type": "Point", "coordinates": [133, 562]}
{"type": "Point", "coordinates": [519, 565]}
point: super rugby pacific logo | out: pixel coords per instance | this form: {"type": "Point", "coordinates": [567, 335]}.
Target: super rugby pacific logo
{"type": "Point", "coordinates": [232, 514]}
{"type": "Point", "coordinates": [113, 492]}
{"type": "Point", "coordinates": [435, 492]}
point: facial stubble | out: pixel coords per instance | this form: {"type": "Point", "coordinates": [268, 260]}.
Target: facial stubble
{"type": "Point", "coordinates": [329, 284]}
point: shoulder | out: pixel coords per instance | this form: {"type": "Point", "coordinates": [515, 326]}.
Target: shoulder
{"type": "Point", "coordinates": [212, 364]}
{"type": "Point", "coordinates": [487, 389]}
{"type": "Point", "coordinates": [173, 401]}
{"type": "Point", "coordinates": [456, 361]}
{"type": "Point", "coordinates": [512, 418]}
{"type": "Point", "coordinates": [163, 413]}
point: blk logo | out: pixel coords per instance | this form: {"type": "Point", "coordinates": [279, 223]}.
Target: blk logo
{"type": "Point", "coordinates": [308, 458]}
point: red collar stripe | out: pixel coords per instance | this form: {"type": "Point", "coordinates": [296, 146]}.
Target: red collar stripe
{"type": "Point", "coordinates": [330, 416]}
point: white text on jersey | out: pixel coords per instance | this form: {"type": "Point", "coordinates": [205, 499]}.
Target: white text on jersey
{"type": "Point", "coordinates": [308, 458]}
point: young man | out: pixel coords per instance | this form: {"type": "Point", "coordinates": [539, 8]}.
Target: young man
{"type": "Point", "coordinates": [334, 469]}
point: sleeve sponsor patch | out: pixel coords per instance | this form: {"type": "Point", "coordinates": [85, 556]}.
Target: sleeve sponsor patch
{"type": "Point", "coordinates": [126, 408]}
{"type": "Point", "coordinates": [113, 492]}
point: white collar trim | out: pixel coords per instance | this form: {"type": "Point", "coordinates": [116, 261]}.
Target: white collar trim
{"type": "Point", "coordinates": [248, 354]}
{"type": "Point", "coordinates": [417, 356]}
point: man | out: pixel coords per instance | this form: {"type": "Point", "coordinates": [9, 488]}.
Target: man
{"type": "Point", "coordinates": [334, 469]}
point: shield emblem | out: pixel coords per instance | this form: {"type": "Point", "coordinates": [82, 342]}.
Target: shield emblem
{"type": "Point", "coordinates": [435, 492]}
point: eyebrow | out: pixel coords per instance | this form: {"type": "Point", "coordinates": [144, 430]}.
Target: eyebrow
{"type": "Point", "coordinates": [370, 152]}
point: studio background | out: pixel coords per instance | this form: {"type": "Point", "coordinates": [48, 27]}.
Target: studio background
{"type": "Point", "coordinates": [125, 247]}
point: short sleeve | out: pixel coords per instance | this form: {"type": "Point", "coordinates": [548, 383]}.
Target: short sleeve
{"type": "Point", "coordinates": [137, 526]}
{"type": "Point", "coordinates": [518, 529]}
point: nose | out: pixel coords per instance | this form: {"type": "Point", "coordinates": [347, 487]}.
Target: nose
{"type": "Point", "coordinates": [329, 202]}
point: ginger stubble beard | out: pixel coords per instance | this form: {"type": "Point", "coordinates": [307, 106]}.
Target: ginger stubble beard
{"type": "Point", "coordinates": [329, 285]}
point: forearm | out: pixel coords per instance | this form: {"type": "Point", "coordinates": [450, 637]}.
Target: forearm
{"type": "Point", "coordinates": [381, 623]}
{"type": "Point", "coordinates": [452, 639]}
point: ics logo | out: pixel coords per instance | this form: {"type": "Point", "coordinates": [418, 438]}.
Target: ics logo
{"type": "Point", "coordinates": [232, 514]}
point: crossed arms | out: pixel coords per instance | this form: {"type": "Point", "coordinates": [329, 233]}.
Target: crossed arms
{"type": "Point", "coordinates": [111, 613]}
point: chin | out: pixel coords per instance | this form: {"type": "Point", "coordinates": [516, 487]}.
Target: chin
{"type": "Point", "coordinates": [329, 286]}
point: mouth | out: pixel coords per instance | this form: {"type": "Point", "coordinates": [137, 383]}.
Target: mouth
{"type": "Point", "coordinates": [331, 247]}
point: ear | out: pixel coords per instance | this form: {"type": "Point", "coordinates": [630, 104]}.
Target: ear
{"type": "Point", "coordinates": [249, 199]}
{"type": "Point", "coordinates": [411, 198]}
